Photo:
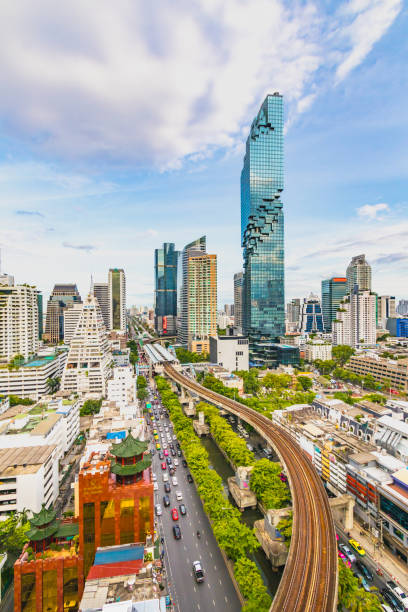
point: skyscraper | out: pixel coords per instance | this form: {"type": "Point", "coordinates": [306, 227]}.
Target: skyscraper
{"type": "Point", "coordinates": [117, 300]}
{"type": "Point", "coordinates": [355, 322]}
{"type": "Point", "coordinates": [293, 312]}
{"type": "Point", "coordinates": [385, 309]}
{"type": "Point", "coordinates": [358, 273]}
{"type": "Point", "coordinates": [165, 295]}
{"type": "Point", "coordinates": [402, 307]}
{"type": "Point", "coordinates": [18, 321]}
{"type": "Point", "coordinates": [196, 247]}
{"type": "Point", "coordinates": [311, 318]}
{"type": "Point", "coordinates": [238, 289]}
{"type": "Point", "coordinates": [333, 291]}
{"type": "Point", "coordinates": [62, 297]}
{"type": "Point", "coordinates": [262, 229]}
{"type": "Point", "coordinates": [101, 292]}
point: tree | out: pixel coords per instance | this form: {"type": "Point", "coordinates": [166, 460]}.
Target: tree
{"type": "Point", "coordinates": [53, 384]}
{"type": "Point", "coordinates": [23, 401]}
{"type": "Point", "coordinates": [141, 382]}
{"type": "Point", "coordinates": [185, 356]}
{"type": "Point", "coordinates": [236, 538]}
{"type": "Point", "coordinates": [342, 353]}
{"type": "Point", "coordinates": [352, 596]}
{"type": "Point", "coordinates": [265, 482]}
{"type": "Point", "coordinates": [142, 394]}
{"type": "Point", "coordinates": [90, 407]}
{"type": "Point", "coordinates": [13, 533]}
{"type": "Point", "coordinates": [306, 382]}
{"type": "Point", "coordinates": [251, 586]}
{"type": "Point", "coordinates": [285, 526]}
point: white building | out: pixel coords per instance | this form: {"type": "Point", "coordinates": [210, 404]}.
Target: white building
{"type": "Point", "coordinates": [385, 309]}
{"type": "Point", "coordinates": [122, 386]}
{"type": "Point", "coordinates": [89, 359]}
{"type": "Point", "coordinates": [28, 430]}
{"type": "Point", "coordinates": [28, 479]}
{"type": "Point", "coordinates": [71, 318]}
{"type": "Point", "coordinates": [355, 323]}
{"type": "Point", "coordinates": [4, 403]}
{"type": "Point", "coordinates": [117, 300]}
{"type": "Point", "coordinates": [318, 349]}
{"type": "Point", "coordinates": [18, 321]}
{"type": "Point", "coordinates": [69, 410]}
{"type": "Point", "coordinates": [230, 352]}
{"type": "Point", "coordinates": [30, 379]}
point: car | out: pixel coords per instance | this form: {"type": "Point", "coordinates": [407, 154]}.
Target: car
{"type": "Point", "coordinates": [363, 569]}
{"type": "Point", "coordinates": [346, 551]}
{"type": "Point", "coordinates": [174, 481]}
{"type": "Point", "coordinates": [167, 487]}
{"type": "Point", "coordinates": [163, 465]}
{"type": "Point", "coordinates": [158, 509]}
{"type": "Point", "coordinates": [176, 462]}
{"type": "Point", "coordinates": [178, 453]}
{"type": "Point", "coordinates": [398, 592]}
{"type": "Point", "coordinates": [165, 477]}
{"type": "Point", "coordinates": [178, 445]}
{"type": "Point", "coordinates": [363, 581]}
{"type": "Point", "coordinates": [354, 544]}
{"type": "Point", "coordinates": [179, 495]}
{"type": "Point", "coordinates": [343, 558]}
{"type": "Point", "coordinates": [184, 462]}
{"type": "Point", "coordinates": [385, 608]}
{"type": "Point", "coordinates": [166, 453]}
{"type": "Point", "coordinates": [166, 414]}
{"type": "Point", "coordinates": [173, 452]}
{"type": "Point", "coordinates": [158, 447]}
{"type": "Point", "coordinates": [172, 446]}
{"type": "Point", "coordinates": [154, 477]}
{"type": "Point", "coordinates": [155, 486]}
{"type": "Point", "coordinates": [174, 514]}
{"type": "Point", "coordinates": [189, 478]}
{"type": "Point", "coordinates": [166, 500]}
{"type": "Point", "coordinates": [164, 445]}
{"type": "Point", "coordinates": [172, 471]}
{"type": "Point", "coordinates": [198, 571]}
{"type": "Point", "coordinates": [174, 437]}
{"type": "Point", "coordinates": [161, 456]}
{"type": "Point", "coordinates": [168, 460]}
{"type": "Point", "coordinates": [183, 509]}
{"type": "Point", "coordinates": [392, 599]}
{"type": "Point", "coordinates": [176, 532]}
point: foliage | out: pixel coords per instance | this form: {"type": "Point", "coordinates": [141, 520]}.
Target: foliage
{"type": "Point", "coordinates": [345, 396]}
{"type": "Point", "coordinates": [141, 382]}
{"type": "Point", "coordinates": [342, 353]}
{"type": "Point", "coordinates": [221, 332]}
{"type": "Point", "coordinates": [185, 356]}
{"type": "Point", "coordinates": [285, 526]}
{"type": "Point", "coordinates": [251, 586]}
{"type": "Point", "coordinates": [134, 352]}
{"type": "Point", "coordinates": [265, 482]}
{"type": "Point", "coordinates": [53, 384]}
{"type": "Point", "coordinates": [225, 436]}
{"type": "Point", "coordinates": [305, 382]}
{"type": "Point", "coordinates": [351, 596]}
{"type": "Point", "coordinates": [13, 533]}
{"type": "Point", "coordinates": [15, 362]}
{"type": "Point", "coordinates": [276, 382]}
{"type": "Point", "coordinates": [382, 338]}
{"type": "Point", "coordinates": [23, 401]}
{"type": "Point", "coordinates": [376, 398]}
{"type": "Point", "coordinates": [142, 394]}
{"type": "Point", "coordinates": [90, 407]}
{"type": "Point", "coordinates": [251, 382]}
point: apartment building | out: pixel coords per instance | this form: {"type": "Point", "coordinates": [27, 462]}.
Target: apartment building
{"type": "Point", "coordinates": [121, 388]}
{"type": "Point", "coordinates": [318, 349]}
{"type": "Point", "coordinates": [381, 369]}
{"type": "Point", "coordinates": [18, 321]}
{"type": "Point", "coordinates": [29, 379]}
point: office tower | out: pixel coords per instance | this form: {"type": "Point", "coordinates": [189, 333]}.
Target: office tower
{"type": "Point", "coordinates": [165, 289]}
{"type": "Point", "coordinates": [238, 289]}
{"type": "Point", "coordinates": [385, 309]}
{"type": "Point", "coordinates": [355, 322]}
{"type": "Point", "coordinates": [117, 300]}
{"type": "Point", "coordinates": [293, 311]}
{"type": "Point", "coordinates": [333, 291]}
{"type": "Point", "coordinates": [402, 308]}
{"type": "Point", "coordinates": [71, 318]}
{"type": "Point", "coordinates": [311, 317]}
{"type": "Point", "coordinates": [62, 297]}
{"type": "Point", "coordinates": [40, 315]}
{"type": "Point", "coordinates": [18, 321]}
{"type": "Point", "coordinates": [89, 359]}
{"type": "Point", "coordinates": [262, 229]}
{"type": "Point", "coordinates": [196, 247]}
{"type": "Point", "coordinates": [358, 273]}
{"type": "Point", "coordinates": [229, 310]}
{"type": "Point", "coordinates": [101, 292]}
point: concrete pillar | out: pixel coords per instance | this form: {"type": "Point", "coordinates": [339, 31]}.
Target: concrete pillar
{"type": "Point", "coordinates": [349, 515]}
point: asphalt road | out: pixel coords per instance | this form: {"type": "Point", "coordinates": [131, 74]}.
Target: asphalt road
{"type": "Point", "coordinates": [217, 591]}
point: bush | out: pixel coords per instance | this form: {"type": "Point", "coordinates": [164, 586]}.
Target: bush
{"type": "Point", "coordinates": [185, 356]}
{"type": "Point", "coordinates": [265, 482]}
{"type": "Point", "coordinates": [251, 586]}
{"type": "Point", "coordinates": [23, 401]}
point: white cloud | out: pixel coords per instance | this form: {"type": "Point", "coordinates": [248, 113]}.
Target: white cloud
{"type": "Point", "coordinates": [371, 211]}
{"type": "Point", "coordinates": [158, 82]}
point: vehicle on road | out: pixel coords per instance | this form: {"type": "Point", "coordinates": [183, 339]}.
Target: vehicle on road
{"type": "Point", "coordinates": [168, 460]}
{"type": "Point", "coordinates": [347, 551]}
{"type": "Point", "coordinates": [154, 476]}
{"type": "Point", "coordinates": [158, 447]}
{"type": "Point", "coordinates": [166, 501]}
{"type": "Point", "coordinates": [183, 509]}
{"type": "Point", "coordinates": [161, 455]}
{"type": "Point", "coordinates": [164, 465]}
{"type": "Point", "coordinates": [174, 437]}
{"type": "Point", "coordinates": [398, 592]}
{"type": "Point", "coordinates": [178, 453]}
{"type": "Point", "coordinates": [184, 462]}
{"type": "Point", "coordinates": [158, 509]}
{"type": "Point", "coordinates": [167, 487]}
{"type": "Point", "coordinates": [155, 486]}
{"type": "Point", "coordinates": [174, 514]}
{"type": "Point", "coordinates": [166, 453]}
{"type": "Point", "coordinates": [178, 445]}
{"type": "Point", "coordinates": [198, 571]}
{"type": "Point", "coordinates": [174, 481]}
{"type": "Point", "coordinates": [392, 600]}
{"type": "Point", "coordinates": [179, 495]}
{"type": "Point", "coordinates": [354, 544]}
{"type": "Point", "coordinates": [173, 452]}
{"type": "Point", "coordinates": [363, 581]}
{"type": "Point", "coordinates": [189, 478]}
{"type": "Point", "coordinates": [363, 569]}
{"type": "Point", "coordinates": [165, 477]}
{"type": "Point", "coordinates": [176, 462]}
{"type": "Point", "coordinates": [176, 532]}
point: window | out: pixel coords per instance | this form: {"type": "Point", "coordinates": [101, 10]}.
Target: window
{"type": "Point", "coordinates": [28, 600]}
{"type": "Point", "coordinates": [107, 522]}
{"type": "Point", "coordinates": [127, 521]}
{"type": "Point", "coordinates": [49, 590]}
{"type": "Point", "coordinates": [70, 589]}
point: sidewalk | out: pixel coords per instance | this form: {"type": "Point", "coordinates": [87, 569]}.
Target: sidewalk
{"type": "Point", "coordinates": [393, 568]}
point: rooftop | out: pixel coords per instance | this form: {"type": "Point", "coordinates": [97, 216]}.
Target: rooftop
{"type": "Point", "coordinates": [25, 460]}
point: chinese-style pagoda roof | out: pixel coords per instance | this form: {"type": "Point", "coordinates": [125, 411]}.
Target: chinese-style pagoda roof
{"type": "Point", "coordinates": [43, 517]}
{"type": "Point", "coordinates": [129, 447]}
{"type": "Point", "coordinates": [36, 534]}
{"type": "Point", "coordinates": [131, 469]}
{"type": "Point", "coordinates": [67, 530]}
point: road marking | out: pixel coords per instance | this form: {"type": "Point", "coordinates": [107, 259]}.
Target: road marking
{"type": "Point", "coordinates": [226, 598]}
{"type": "Point", "coordinates": [215, 567]}
{"type": "Point", "coordinates": [211, 554]}
{"type": "Point", "coordinates": [220, 582]}
{"type": "Point", "coordinates": [214, 603]}
{"type": "Point", "coordinates": [194, 589]}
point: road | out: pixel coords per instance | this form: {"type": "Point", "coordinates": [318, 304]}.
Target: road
{"type": "Point", "coordinates": [217, 592]}
{"type": "Point", "coordinates": [309, 581]}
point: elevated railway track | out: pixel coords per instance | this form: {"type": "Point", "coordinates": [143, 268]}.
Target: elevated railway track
{"type": "Point", "coordinates": [309, 580]}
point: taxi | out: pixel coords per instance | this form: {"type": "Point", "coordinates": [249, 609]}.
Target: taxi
{"type": "Point", "coordinates": [158, 447]}
{"type": "Point", "coordinates": [357, 547]}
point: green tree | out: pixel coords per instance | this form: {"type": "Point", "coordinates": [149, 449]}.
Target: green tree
{"type": "Point", "coordinates": [23, 401]}
{"type": "Point", "coordinates": [285, 526]}
{"type": "Point", "coordinates": [342, 353]}
{"type": "Point", "coordinates": [185, 356]}
{"type": "Point", "coordinates": [90, 407]}
{"type": "Point", "coordinates": [13, 533]}
{"type": "Point", "coordinates": [141, 382]}
{"type": "Point", "coordinates": [251, 586]}
{"type": "Point", "coordinates": [236, 538]}
{"type": "Point", "coordinates": [142, 394]}
{"type": "Point", "coordinates": [265, 482]}
{"type": "Point", "coordinates": [53, 384]}
{"type": "Point", "coordinates": [351, 596]}
{"type": "Point", "coordinates": [305, 382]}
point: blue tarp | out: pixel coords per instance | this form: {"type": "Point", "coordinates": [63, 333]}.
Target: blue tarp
{"type": "Point", "coordinates": [119, 553]}
{"type": "Point", "coordinates": [116, 434]}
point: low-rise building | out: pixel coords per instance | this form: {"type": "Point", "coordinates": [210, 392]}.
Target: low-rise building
{"type": "Point", "coordinates": [393, 504]}
{"type": "Point", "coordinates": [230, 352]}
{"type": "Point", "coordinates": [121, 357]}
{"type": "Point", "coordinates": [28, 478]}
{"type": "Point", "coordinates": [318, 349]}
{"type": "Point", "coordinates": [392, 435]}
{"type": "Point", "coordinates": [69, 409]}
{"type": "Point", "coordinates": [4, 403]}
{"type": "Point", "coordinates": [385, 371]}
{"type": "Point", "coordinates": [39, 429]}
{"type": "Point", "coordinates": [29, 380]}
{"type": "Point", "coordinates": [232, 381]}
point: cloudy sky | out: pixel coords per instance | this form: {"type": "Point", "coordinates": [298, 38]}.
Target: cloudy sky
{"type": "Point", "coordinates": [123, 126]}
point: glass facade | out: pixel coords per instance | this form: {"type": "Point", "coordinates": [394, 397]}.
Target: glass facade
{"type": "Point", "coordinates": [144, 518]}
{"type": "Point", "coordinates": [393, 511]}
{"type": "Point", "coordinates": [49, 590]}
{"type": "Point", "coordinates": [333, 291]}
{"type": "Point", "coordinates": [116, 299]}
{"type": "Point", "coordinates": [165, 274]}
{"type": "Point", "coordinates": [28, 598]}
{"type": "Point", "coordinates": [127, 529]}
{"type": "Point", "coordinates": [71, 589]}
{"type": "Point", "coordinates": [262, 228]}
{"type": "Point", "coordinates": [107, 522]}
{"type": "Point", "coordinates": [89, 536]}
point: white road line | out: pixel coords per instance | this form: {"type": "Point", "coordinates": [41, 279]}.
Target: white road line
{"type": "Point", "coordinates": [226, 598]}
{"type": "Point", "coordinates": [214, 603]}
{"type": "Point", "coordinates": [211, 554]}
{"type": "Point", "coordinates": [215, 567]}
{"type": "Point", "coordinates": [220, 582]}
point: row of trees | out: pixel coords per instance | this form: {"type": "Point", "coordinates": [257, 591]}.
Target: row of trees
{"type": "Point", "coordinates": [265, 482]}
{"type": "Point", "coordinates": [134, 352]}
{"type": "Point", "coordinates": [351, 596]}
{"type": "Point", "coordinates": [233, 536]}
{"type": "Point", "coordinates": [185, 356]}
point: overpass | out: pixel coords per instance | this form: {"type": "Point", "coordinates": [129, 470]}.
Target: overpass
{"type": "Point", "coordinates": [309, 580]}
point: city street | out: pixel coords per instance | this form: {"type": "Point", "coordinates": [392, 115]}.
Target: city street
{"type": "Point", "coordinates": [217, 591]}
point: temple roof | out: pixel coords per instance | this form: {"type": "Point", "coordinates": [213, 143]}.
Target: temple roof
{"type": "Point", "coordinates": [131, 469]}
{"type": "Point", "coordinates": [43, 517]}
{"type": "Point", "coordinates": [129, 447]}
{"type": "Point", "coordinates": [35, 533]}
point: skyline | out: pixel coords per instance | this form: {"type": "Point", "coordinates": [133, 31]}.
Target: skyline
{"type": "Point", "coordinates": [75, 211]}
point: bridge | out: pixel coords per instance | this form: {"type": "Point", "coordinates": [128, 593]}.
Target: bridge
{"type": "Point", "coordinates": [309, 580]}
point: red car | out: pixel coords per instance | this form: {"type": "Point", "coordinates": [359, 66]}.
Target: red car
{"type": "Point", "coordinates": [164, 465]}
{"type": "Point", "coordinates": [166, 452]}
{"type": "Point", "coordinates": [174, 514]}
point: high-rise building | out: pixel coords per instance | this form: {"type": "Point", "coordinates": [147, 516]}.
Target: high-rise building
{"type": "Point", "coordinates": [402, 308]}
{"type": "Point", "coordinates": [62, 297]}
{"type": "Point", "coordinates": [355, 322]}
{"type": "Point", "coordinates": [18, 321]}
{"type": "Point", "coordinates": [71, 318]}
{"type": "Point", "coordinates": [198, 297]}
{"type": "Point", "coordinates": [293, 311]}
{"type": "Point", "coordinates": [117, 300]}
{"type": "Point", "coordinates": [165, 292]}
{"type": "Point", "coordinates": [333, 291]}
{"type": "Point", "coordinates": [40, 315]}
{"type": "Point", "coordinates": [229, 310]}
{"type": "Point", "coordinates": [262, 229]}
{"type": "Point", "coordinates": [311, 317]}
{"type": "Point", "coordinates": [358, 273]}
{"type": "Point", "coordinates": [238, 297]}
{"type": "Point", "coordinates": [101, 292]}
{"type": "Point", "coordinates": [89, 359]}
{"type": "Point", "coordinates": [385, 309]}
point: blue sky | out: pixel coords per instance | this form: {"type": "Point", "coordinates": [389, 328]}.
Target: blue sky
{"type": "Point", "coordinates": [123, 126]}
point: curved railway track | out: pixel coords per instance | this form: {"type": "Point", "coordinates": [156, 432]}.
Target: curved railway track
{"type": "Point", "coordinates": [309, 580]}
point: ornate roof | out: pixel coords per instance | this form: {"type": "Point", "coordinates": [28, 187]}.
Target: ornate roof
{"type": "Point", "coordinates": [36, 534]}
{"type": "Point", "coordinates": [43, 517]}
{"type": "Point", "coordinates": [129, 447]}
{"type": "Point", "coordinates": [131, 469]}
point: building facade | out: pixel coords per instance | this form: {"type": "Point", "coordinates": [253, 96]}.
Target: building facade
{"type": "Point", "coordinates": [18, 321]}
{"type": "Point", "coordinates": [358, 273]}
{"type": "Point", "coordinates": [333, 291]}
{"type": "Point", "coordinates": [385, 309]}
{"type": "Point", "coordinates": [311, 317]}
{"type": "Point", "coordinates": [62, 297]}
{"type": "Point", "coordinates": [402, 308]}
{"type": "Point", "coordinates": [117, 300]}
{"type": "Point", "coordinates": [71, 318]}
{"type": "Point", "coordinates": [165, 292]}
{"type": "Point", "coordinates": [230, 352]}
{"type": "Point", "coordinates": [318, 349]}
{"type": "Point", "coordinates": [29, 379]}
{"type": "Point", "coordinates": [396, 372]}
{"type": "Point", "coordinates": [121, 388]}
{"type": "Point", "coordinates": [101, 292]}
{"type": "Point", "coordinates": [355, 323]}
{"type": "Point", "coordinates": [238, 297]}
{"type": "Point", "coordinates": [262, 228]}
{"type": "Point", "coordinates": [398, 327]}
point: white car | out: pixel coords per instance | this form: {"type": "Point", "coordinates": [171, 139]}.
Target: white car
{"type": "Point", "coordinates": [154, 476]}
{"type": "Point", "coordinates": [179, 496]}
{"type": "Point", "coordinates": [164, 445]}
{"type": "Point", "coordinates": [174, 481]}
{"type": "Point", "coordinates": [176, 462]}
{"type": "Point", "coordinates": [174, 437]}
{"type": "Point", "coordinates": [398, 592]}
{"type": "Point", "coordinates": [155, 486]}
{"type": "Point", "coordinates": [165, 477]}
{"type": "Point", "coordinates": [158, 509]}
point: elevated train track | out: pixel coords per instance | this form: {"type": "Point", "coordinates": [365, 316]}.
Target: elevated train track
{"type": "Point", "coordinates": [309, 581]}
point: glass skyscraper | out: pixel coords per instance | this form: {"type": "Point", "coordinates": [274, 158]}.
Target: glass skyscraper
{"type": "Point", "coordinates": [262, 230]}
{"type": "Point", "coordinates": [333, 291]}
{"type": "Point", "coordinates": [165, 282]}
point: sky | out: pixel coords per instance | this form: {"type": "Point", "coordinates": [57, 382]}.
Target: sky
{"type": "Point", "coordinates": [123, 126]}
